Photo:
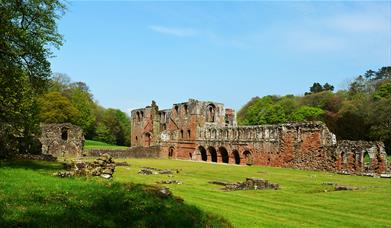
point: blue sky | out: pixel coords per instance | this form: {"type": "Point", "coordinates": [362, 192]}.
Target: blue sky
{"type": "Point", "coordinates": [130, 53]}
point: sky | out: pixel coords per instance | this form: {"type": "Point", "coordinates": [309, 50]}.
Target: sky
{"type": "Point", "coordinates": [130, 53]}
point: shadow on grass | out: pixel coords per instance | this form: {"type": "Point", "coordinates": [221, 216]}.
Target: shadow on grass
{"type": "Point", "coordinates": [40, 200]}
{"type": "Point", "coordinates": [31, 164]}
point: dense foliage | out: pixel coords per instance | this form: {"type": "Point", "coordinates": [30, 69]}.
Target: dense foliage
{"type": "Point", "coordinates": [28, 31]}
{"type": "Point", "coordinates": [362, 112]}
{"type": "Point", "coordinates": [72, 102]}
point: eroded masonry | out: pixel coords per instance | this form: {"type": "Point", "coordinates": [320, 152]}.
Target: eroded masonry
{"type": "Point", "coordinates": [206, 131]}
{"type": "Point", "coordinates": [62, 139]}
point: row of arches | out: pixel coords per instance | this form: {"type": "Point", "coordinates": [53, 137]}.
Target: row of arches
{"type": "Point", "coordinates": [363, 161]}
{"type": "Point", "coordinates": [211, 154]}
{"type": "Point", "coordinates": [238, 133]}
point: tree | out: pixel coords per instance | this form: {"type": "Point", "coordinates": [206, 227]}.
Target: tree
{"type": "Point", "coordinates": [381, 122]}
{"type": "Point", "coordinates": [307, 113]}
{"type": "Point", "coordinates": [316, 88]}
{"type": "Point", "coordinates": [27, 33]}
{"type": "Point", "coordinates": [113, 126]}
{"type": "Point", "coordinates": [56, 108]}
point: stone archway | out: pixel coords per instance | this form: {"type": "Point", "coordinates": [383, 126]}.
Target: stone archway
{"type": "Point", "coordinates": [171, 151]}
{"type": "Point", "coordinates": [236, 156]}
{"type": "Point", "coordinates": [224, 155]}
{"type": "Point", "coordinates": [248, 157]}
{"type": "Point", "coordinates": [213, 153]}
{"type": "Point", "coordinates": [204, 155]}
{"type": "Point", "coordinates": [147, 139]}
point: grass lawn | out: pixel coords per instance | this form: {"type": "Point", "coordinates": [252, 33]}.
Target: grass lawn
{"type": "Point", "coordinates": [31, 197]}
{"type": "Point", "coordinates": [91, 144]}
{"type": "Point", "coordinates": [301, 201]}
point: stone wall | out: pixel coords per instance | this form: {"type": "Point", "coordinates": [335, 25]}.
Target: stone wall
{"type": "Point", "coordinates": [206, 131]}
{"type": "Point", "coordinates": [132, 152]}
{"type": "Point", "coordinates": [61, 139]}
{"type": "Point", "coordinates": [350, 157]}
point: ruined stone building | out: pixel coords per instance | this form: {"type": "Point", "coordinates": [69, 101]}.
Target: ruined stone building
{"type": "Point", "coordinates": [61, 139]}
{"type": "Point", "coordinates": [206, 131]}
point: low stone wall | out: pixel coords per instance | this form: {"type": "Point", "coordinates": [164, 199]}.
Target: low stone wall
{"type": "Point", "coordinates": [132, 152]}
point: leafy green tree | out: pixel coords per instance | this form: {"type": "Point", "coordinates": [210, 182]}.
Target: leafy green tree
{"type": "Point", "coordinates": [27, 33]}
{"type": "Point", "coordinates": [316, 88]}
{"type": "Point", "coordinates": [384, 91]}
{"type": "Point", "coordinates": [380, 128]}
{"type": "Point", "coordinates": [56, 108]}
{"type": "Point", "coordinates": [307, 113]}
{"type": "Point", "coordinates": [118, 124]}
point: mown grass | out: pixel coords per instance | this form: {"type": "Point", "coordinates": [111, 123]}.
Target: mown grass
{"type": "Point", "coordinates": [30, 197]}
{"type": "Point", "coordinates": [91, 145]}
{"type": "Point", "coordinates": [302, 201]}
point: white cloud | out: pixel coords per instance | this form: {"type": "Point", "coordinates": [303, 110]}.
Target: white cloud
{"type": "Point", "coordinates": [363, 22]}
{"type": "Point", "coordinates": [180, 32]}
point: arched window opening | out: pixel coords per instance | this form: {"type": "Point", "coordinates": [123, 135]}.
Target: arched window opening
{"type": "Point", "coordinates": [236, 155]}
{"type": "Point", "coordinates": [213, 153]}
{"type": "Point", "coordinates": [204, 155]}
{"type": "Point", "coordinates": [138, 116]}
{"type": "Point", "coordinates": [181, 135]}
{"type": "Point", "coordinates": [188, 134]}
{"type": "Point", "coordinates": [367, 161]}
{"type": "Point", "coordinates": [186, 109]}
{"type": "Point", "coordinates": [64, 134]}
{"type": "Point", "coordinates": [248, 156]}
{"type": "Point", "coordinates": [177, 109]}
{"type": "Point", "coordinates": [147, 139]}
{"type": "Point", "coordinates": [224, 154]}
{"type": "Point", "coordinates": [170, 152]}
{"type": "Point", "coordinates": [210, 115]}
{"type": "Point", "coordinates": [142, 114]}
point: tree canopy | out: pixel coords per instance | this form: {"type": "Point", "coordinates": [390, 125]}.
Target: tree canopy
{"type": "Point", "coordinates": [28, 31]}
{"type": "Point", "coordinates": [362, 112]}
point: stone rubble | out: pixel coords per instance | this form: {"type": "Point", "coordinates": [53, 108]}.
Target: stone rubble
{"type": "Point", "coordinates": [251, 183]}
{"type": "Point", "coordinates": [169, 182]}
{"type": "Point", "coordinates": [104, 167]}
{"type": "Point", "coordinates": [121, 164]}
{"type": "Point", "coordinates": [150, 171]}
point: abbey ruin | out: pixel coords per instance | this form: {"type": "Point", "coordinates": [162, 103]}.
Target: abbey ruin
{"type": "Point", "coordinates": [206, 131]}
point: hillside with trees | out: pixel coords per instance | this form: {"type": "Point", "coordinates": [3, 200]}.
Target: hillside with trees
{"type": "Point", "coordinates": [73, 102]}
{"type": "Point", "coordinates": [361, 112]}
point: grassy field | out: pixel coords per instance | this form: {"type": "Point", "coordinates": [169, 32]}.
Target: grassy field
{"type": "Point", "coordinates": [301, 201]}
{"type": "Point", "coordinates": [91, 144]}
{"type": "Point", "coordinates": [31, 197]}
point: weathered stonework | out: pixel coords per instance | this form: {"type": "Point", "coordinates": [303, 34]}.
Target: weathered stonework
{"type": "Point", "coordinates": [206, 131]}
{"type": "Point", "coordinates": [351, 154]}
{"type": "Point", "coordinates": [62, 139]}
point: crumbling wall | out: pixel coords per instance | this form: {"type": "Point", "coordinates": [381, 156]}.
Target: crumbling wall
{"type": "Point", "coordinates": [61, 139]}
{"type": "Point", "coordinates": [300, 145]}
{"type": "Point", "coordinates": [132, 152]}
{"type": "Point", "coordinates": [350, 157]}
{"type": "Point", "coordinates": [206, 131]}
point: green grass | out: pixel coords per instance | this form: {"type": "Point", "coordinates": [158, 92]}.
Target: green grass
{"type": "Point", "coordinates": [91, 145]}
{"type": "Point", "coordinates": [31, 197]}
{"type": "Point", "coordinates": [301, 201]}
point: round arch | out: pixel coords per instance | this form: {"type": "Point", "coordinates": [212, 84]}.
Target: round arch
{"type": "Point", "coordinates": [248, 157]}
{"type": "Point", "coordinates": [236, 156]}
{"type": "Point", "coordinates": [224, 154]}
{"type": "Point", "coordinates": [171, 151]}
{"type": "Point", "coordinates": [213, 153]}
{"type": "Point", "coordinates": [204, 155]}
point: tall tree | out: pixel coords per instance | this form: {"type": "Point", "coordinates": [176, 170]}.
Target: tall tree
{"type": "Point", "coordinates": [28, 31]}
